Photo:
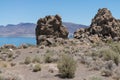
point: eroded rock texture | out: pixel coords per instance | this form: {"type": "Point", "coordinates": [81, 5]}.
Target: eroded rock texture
{"type": "Point", "coordinates": [50, 28]}
{"type": "Point", "coordinates": [103, 27]}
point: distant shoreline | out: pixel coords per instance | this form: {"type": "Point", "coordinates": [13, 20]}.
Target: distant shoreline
{"type": "Point", "coordinates": [19, 36]}
{"type": "Point", "coordinates": [17, 40]}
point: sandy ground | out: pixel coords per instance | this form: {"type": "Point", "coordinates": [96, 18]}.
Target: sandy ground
{"type": "Point", "coordinates": [25, 71]}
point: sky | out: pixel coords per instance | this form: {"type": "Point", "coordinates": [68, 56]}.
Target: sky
{"type": "Point", "coordinates": [75, 11]}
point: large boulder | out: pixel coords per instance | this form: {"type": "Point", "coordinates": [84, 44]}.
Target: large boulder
{"type": "Point", "coordinates": [50, 27]}
{"type": "Point", "coordinates": [104, 26]}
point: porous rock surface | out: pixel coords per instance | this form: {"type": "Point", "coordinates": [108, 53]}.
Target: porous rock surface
{"type": "Point", "coordinates": [104, 27]}
{"type": "Point", "coordinates": [50, 28]}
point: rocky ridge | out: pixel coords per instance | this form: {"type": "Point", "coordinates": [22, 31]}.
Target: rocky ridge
{"type": "Point", "coordinates": [104, 27]}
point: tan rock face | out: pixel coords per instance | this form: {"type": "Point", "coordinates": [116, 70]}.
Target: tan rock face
{"type": "Point", "coordinates": [104, 25]}
{"type": "Point", "coordinates": [50, 27]}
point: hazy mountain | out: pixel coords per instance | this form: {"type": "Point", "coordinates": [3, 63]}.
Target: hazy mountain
{"type": "Point", "coordinates": [22, 29]}
{"type": "Point", "coordinates": [28, 29]}
{"type": "Point", "coordinates": [72, 27]}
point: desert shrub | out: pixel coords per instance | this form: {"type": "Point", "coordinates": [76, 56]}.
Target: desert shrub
{"type": "Point", "coordinates": [95, 65]}
{"type": "Point", "coordinates": [4, 50]}
{"type": "Point", "coordinates": [110, 65]}
{"type": "Point", "coordinates": [93, 54]}
{"type": "Point", "coordinates": [23, 46]}
{"type": "Point", "coordinates": [10, 77]}
{"type": "Point", "coordinates": [27, 60]}
{"type": "Point", "coordinates": [106, 72]}
{"type": "Point", "coordinates": [109, 41]}
{"type": "Point", "coordinates": [37, 68]}
{"type": "Point", "coordinates": [30, 45]}
{"type": "Point", "coordinates": [36, 59]}
{"type": "Point", "coordinates": [4, 65]}
{"type": "Point", "coordinates": [48, 58]}
{"type": "Point", "coordinates": [12, 64]}
{"type": "Point", "coordinates": [10, 55]}
{"type": "Point", "coordinates": [96, 44]}
{"type": "Point", "coordinates": [95, 78]}
{"type": "Point", "coordinates": [115, 47]}
{"type": "Point", "coordinates": [66, 66]}
{"type": "Point", "coordinates": [48, 51]}
{"type": "Point", "coordinates": [109, 54]}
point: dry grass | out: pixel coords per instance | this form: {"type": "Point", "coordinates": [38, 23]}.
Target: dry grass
{"type": "Point", "coordinates": [27, 60]}
{"type": "Point", "coordinates": [67, 66]}
{"type": "Point", "coordinates": [37, 67]}
{"type": "Point", "coordinates": [109, 54]}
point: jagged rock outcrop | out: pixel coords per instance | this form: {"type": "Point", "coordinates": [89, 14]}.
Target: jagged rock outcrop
{"type": "Point", "coordinates": [103, 27]}
{"type": "Point", "coordinates": [50, 28]}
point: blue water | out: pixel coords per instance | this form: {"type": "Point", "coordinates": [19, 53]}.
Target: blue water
{"type": "Point", "coordinates": [17, 41]}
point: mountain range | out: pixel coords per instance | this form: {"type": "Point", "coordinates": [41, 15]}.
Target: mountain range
{"type": "Point", "coordinates": [28, 29]}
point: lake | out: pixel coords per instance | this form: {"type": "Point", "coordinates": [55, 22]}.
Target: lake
{"type": "Point", "coordinates": [17, 40]}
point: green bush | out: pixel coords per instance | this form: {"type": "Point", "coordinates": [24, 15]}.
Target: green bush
{"type": "Point", "coordinates": [109, 54]}
{"type": "Point", "coordinates": [27, 60]}
{"type": "Point", "coordinates": [67, 66]}
{"type": "Point", "coordinates": [37, 68]}
{"type": "Point", "coordinates": [36, 59]}
{"type": "Point", "coordinates": [115, 47]}
{"type": "Point", "coordinates": [48, 58]}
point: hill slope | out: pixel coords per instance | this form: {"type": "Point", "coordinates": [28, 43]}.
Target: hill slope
{"type": "Point", "coordinates": [28, 29]}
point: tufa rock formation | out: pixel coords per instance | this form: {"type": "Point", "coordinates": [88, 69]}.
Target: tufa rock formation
{"type": "Point", "coordinates": [50, 28]}
{"type": "Point", "coordinates": [103, 27]}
